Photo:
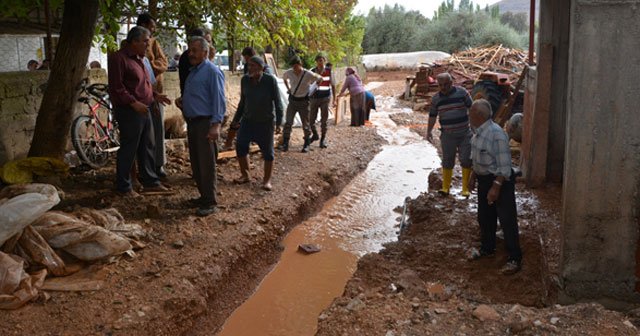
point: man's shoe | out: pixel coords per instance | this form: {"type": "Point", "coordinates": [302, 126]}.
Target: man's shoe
{"type": "Point", "coordinates": [162, 174]}
{"type": "Point", "coordinates": [476, 254]}
{"type": "Point", "coordinates": [195, 202]}
{"type": "Point", "coordinates": [284, 146]}
{"type": "Point", "coordinates": [323, 142]}
{"type": "Point", "coordinates": [511, 267]}
{"type": "Point", "coordinates": [205, 211]}
{"type": "Point", "coordinates": [313, 138]}
{"type": "Point", "coordinates": [131, 194]}
{"type": "Point", "coordinates": [305, 147]}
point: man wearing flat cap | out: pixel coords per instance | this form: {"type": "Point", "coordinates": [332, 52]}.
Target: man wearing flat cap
{"type": "Point", "coordinates": [258, 117]}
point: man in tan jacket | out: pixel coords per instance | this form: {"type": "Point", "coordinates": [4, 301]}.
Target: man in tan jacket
{"type": "Point", "coordinates": [159, 64]}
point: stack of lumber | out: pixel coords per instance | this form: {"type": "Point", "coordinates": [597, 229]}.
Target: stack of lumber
{"type": "Point", "coordinates": [468, 64]}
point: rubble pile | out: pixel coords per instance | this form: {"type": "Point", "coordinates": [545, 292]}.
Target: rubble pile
{"type": "Point", "coordinates": [465, 67]}
{"type": "Point", "coordinates": [468, 64]}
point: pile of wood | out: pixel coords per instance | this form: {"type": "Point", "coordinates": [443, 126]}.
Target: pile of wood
{"type": "Point", "coordinates": [468, 64]}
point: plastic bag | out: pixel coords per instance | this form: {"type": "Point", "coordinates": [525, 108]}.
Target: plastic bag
{"type": "Point", "coordinates": [84, 236]}
{"type": "Point", "coordinates": [21, 204]}
{"type": "Point", "coordinates": [16, 286]}
{"type": "Point", "coordinates": [37, 251]}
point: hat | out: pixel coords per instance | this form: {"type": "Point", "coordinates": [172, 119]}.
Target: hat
{"type": "Point", "coordinates": [295, 60]}
{"type": "Point", "coordinates": [258, 60]}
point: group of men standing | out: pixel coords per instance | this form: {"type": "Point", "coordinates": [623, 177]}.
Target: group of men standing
{"type": "Point", "coordinates": [135, 85]}
{"type": "Point", "coordinates": [309, 91]}
{"type": "Point", "coordinates": [485, 157]}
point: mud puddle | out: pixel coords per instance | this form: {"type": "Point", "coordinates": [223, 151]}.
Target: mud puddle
{"type": "Point", "coordinates": [358, 221]}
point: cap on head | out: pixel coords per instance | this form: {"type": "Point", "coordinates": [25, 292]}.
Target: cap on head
{"type": "Point", "coordinates": [257, 60]}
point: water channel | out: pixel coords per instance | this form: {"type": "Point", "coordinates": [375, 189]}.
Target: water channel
{"type": "Point", "coordinates": [358, 221]}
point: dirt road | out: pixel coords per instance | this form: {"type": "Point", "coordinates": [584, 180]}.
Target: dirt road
{"type": "Point", "coordinates": [423, 285]}
{"type": "Point", "coordinates": [193, 267]}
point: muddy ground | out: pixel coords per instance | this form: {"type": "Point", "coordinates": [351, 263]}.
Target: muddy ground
{"type": "Point", "coordinates": [423, 285]}
{"type": "Point", "coordinates": [194, 271]}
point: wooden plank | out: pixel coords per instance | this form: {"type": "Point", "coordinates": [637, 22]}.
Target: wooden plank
{"type": "Point", "coordinates": [536, 126]}
{"type": "Point", "coordinates": [272, 63]}
{"type": "Point", "coordinates": [232, 153]}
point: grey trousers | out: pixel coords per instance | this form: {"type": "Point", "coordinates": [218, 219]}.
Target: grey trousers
{"type": "Point", "coordinates": [201, 154]}
{"type": "Point", "coordinates": [456, 142]}
{"type": "Point", "coordinates": [157, 117]}
{"type": "Point", "coordinates": [323, 105]}
{"type": "Point", "coordinates": [301, 107]}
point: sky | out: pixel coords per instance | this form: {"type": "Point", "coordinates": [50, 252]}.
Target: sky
{"type": "Point", "coordinates": [426, 7]}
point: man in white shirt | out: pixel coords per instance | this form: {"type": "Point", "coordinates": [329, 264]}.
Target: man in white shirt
{"type": "Point", "coordinates": [297, 80]}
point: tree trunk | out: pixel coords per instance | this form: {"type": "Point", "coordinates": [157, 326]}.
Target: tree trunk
{"type": "Point", "coordinates": [51, 133]}
{"type": "Point", "coordinates": [153, 9]}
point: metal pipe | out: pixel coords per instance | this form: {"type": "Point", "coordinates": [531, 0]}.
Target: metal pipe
{"type": "Point", "coordinates": [532, 30]}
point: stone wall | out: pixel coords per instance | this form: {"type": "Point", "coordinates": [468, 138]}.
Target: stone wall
{"type": "Point", "coordinates": [20, 98]}
{"type": "Point", "coordinates": [21, 94]}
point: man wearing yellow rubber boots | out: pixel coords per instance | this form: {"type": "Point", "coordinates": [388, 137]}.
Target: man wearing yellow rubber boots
{"type": "Point", "coordinates": [450, 105]}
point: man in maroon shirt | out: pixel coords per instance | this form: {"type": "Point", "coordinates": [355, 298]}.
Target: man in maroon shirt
{"type": "Point", "coordinates": [131, 94]}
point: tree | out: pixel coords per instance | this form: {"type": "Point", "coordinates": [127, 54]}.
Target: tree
{"type": "Point", "coordinates": [518, 21]}
{"type": "Point", "coordinates": [275, 22]}
{"type": "Point", "coordinates": [391, 29]}
{"type": "Point", "coordinates": [54, 116]}
{"type": "Point", "coordinates": [460, 30]}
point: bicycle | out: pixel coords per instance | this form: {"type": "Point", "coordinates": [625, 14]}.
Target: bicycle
{"type": "Point", "coordinates": [92, 138]}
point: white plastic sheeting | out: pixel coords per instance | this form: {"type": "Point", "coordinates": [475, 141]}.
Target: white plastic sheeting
{"type": "Point", "coordinates": [409, 60]}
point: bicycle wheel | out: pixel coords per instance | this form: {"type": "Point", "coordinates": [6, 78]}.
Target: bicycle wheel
{"type": "Point", "coordinates": [89, 141]}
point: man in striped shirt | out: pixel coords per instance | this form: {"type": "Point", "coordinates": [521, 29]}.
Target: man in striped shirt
{"type": "Point", "coordinates": [491, 157]}
{"type": "Point", "coordinates": [450, 106]}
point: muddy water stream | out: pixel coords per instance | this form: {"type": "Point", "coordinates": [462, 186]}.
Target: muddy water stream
{"type": "Point", "coordinates": [358, 221]}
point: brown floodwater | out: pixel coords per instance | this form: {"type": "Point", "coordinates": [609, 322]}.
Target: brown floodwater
{"type": "Point", "coordinates": [358, 221]}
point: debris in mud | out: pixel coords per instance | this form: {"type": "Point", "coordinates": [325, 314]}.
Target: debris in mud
{"type": "Point", "coordinates": [308, 248]}
{"type": "Point", "coordinates": [55, 241]}
{"type": "Point", "coordinates": [485, 313]}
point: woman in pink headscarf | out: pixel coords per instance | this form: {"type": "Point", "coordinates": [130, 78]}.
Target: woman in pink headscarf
{"type": "Point", "coordinates": [356, 90]}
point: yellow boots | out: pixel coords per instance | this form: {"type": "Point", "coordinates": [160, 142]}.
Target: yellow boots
{"type": "Point", "coordinates": [466, 174]}
{"type": "Point", "coordinates": [446, 181]}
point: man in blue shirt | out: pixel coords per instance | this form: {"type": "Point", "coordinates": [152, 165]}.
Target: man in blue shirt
{"type": "Point", "coordinates": [203, 106]}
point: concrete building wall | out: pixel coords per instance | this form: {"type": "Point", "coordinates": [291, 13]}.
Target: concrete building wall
{"type": "Point", "coordinates": [602, 161]}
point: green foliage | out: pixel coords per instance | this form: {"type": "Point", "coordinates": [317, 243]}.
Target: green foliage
{"type": "Point", "coordinates": [307, 24]}
{"type": "Point", "coordinates": [518, 21]}
{"type": "Point", "coordinates": [391, 29]}
{"type": "Point", "coordinates": [457, 31]}
{"type": "Point", "coordinates": [453, 28]}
